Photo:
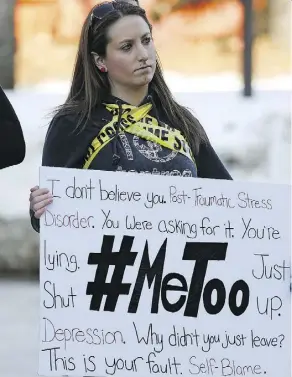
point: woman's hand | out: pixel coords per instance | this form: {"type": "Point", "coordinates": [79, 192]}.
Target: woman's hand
{"type": "Point", "coordinates": [39, 200]}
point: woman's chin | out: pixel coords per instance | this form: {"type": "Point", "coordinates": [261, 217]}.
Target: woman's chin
{"type": "Point", "coordinates": [144, 80]}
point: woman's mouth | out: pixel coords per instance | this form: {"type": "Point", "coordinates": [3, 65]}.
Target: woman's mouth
{"type": "Point", "coordinates": [143, 68]}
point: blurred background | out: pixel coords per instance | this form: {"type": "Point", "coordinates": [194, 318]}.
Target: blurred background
{"type": "Point", "coordinates": [228, 63]}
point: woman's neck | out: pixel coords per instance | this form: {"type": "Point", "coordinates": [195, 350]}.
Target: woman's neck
{"type": "Point", "coordinates": [132, 96]}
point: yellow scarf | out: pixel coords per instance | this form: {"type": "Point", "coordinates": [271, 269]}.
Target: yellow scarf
{"type": "Point", "coordinates": [137, 121]}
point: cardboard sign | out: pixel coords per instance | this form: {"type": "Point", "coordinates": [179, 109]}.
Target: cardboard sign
{"type": "Point", "coordinates": [163, 276]}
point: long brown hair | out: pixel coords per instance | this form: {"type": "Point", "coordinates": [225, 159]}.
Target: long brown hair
{"type": "Point", "coordinates": [90, 86]}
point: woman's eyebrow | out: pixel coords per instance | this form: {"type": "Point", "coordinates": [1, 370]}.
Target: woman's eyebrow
{"type": "Point", "coordinates": [132, 39]}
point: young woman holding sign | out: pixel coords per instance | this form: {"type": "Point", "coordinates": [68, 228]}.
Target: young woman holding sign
{"type": "Point", "coordinates": [120, 115]}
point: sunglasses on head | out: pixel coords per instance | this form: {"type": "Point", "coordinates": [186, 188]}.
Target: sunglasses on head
{"type": "Point", "coordinates": [103, 9]}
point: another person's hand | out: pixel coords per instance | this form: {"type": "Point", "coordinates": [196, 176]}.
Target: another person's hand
{"type": "Point", "coordinates": [39, 200]}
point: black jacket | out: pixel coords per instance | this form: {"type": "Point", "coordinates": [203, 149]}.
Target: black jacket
{"type": "Point", "coordinates": [122, 137]}
{"type": "Point", "coordinates": [12, 144]}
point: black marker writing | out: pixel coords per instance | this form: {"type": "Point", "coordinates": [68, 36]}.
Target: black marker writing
{"type": "Point", "coordinates": [154, 199]}
{"type": "Point", "coordinates": [77, 192]}
{"type": "Point", "coordinates": [152, 337]}
{"type": "Point", "coordinates": [171, 366]}
{"type": "Point", "coordinates": [177, 197]}
{"type": "Point", "coordinates": [252, 232]}
{"type": "Point", "coordinates": [197, 292]}
{"type": "Point", "coordinates": [199, 200]}
{"type": "Point", "coordinates": [106, 258]}
{"type": "Point", "coordinates": [245, 201]}
{"type": "Point", "coordinates": [265, 341]}
{"type": "Point", "coordinates": [92, 336]}
{"type": "Point", "coordinates": [207, 228]}
{"type": "Point", "coordinates": [108, 222]}
{"type": "Point", "coordinates": [89, 364]}
{"type": "Point", "coordinates": [183, 338]}
{"type": "Point", "coordinates": [272, 271]}
{"type": "Point", "coordinates": [176, 226]}
{"type": "Point", "coordinates": [74, 221]}
{"type": "Point", "coordinates": [117, 195]}
{"type": "Point", "coordinates": [53, 191]}
{"type": "Point", "coordinates": [133, 223]}
{"type": "Point", "coordinates": [57, 300]}
{"type": "Point", "coordinates": [268, 306]}
{"type": "Point", "coordinates": [58, 363]}
{"type": "Point", "coordinates": [229, 230]}
{"type": "Point", "coordinates": [198, 367]}
{"type": "Point", "coordinates": [209, 340]}
{"type": "Point", "coordinates": [121, 364]}
{"type": "Point", "coordinates": [52, 261]}
{"type": "Point", "coordinates": [231, 368]}
{"type": "Point", "coordinates": [237, 340]}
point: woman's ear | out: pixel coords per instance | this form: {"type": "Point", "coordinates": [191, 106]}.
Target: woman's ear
{"type": "Point", "coordinates": [99, 62]}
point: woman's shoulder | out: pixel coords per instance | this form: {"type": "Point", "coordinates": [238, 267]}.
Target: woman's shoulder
{"type": "Point", "coordinates": [63, 122]}
{"type": "Point", "coordinates": [73, 122]}
{"type": "Point", "coordinates": [65, 141]}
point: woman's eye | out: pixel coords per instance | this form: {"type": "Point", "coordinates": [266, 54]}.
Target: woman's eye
{"type": "Point", "coordinates": [147, 40]}
{"type": "Point", "coordinates": [126, 47]}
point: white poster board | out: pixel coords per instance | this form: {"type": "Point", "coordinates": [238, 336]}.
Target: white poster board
{"type": "Point", "coordinates": [143, 275]}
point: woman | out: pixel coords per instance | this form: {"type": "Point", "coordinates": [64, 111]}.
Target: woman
{"type": "Point", "coordinates": [120, 114]}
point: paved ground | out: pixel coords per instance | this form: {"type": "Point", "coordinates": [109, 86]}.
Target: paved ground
{"type": "Point", "coordinates": [18, 328]}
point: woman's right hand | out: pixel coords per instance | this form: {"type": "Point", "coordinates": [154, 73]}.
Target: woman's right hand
{"type": "Point", "coordinates": [39, 200]}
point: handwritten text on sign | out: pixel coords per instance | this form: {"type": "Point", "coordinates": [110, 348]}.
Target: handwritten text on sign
{"type": "Point", "coordinates": [144, 275]}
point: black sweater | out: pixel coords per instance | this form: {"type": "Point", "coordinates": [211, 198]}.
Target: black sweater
{"type": "Point", "coordinates": [122, 137]}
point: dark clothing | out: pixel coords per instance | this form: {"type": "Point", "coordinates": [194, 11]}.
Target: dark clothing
{"type": "Point", "coordinates": [122, 137]}
{"type": "Point", "coordinates": [12, 144]}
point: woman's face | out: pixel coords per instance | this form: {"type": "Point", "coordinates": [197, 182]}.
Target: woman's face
{"type": "Point", "coordinates": [130, 54]}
